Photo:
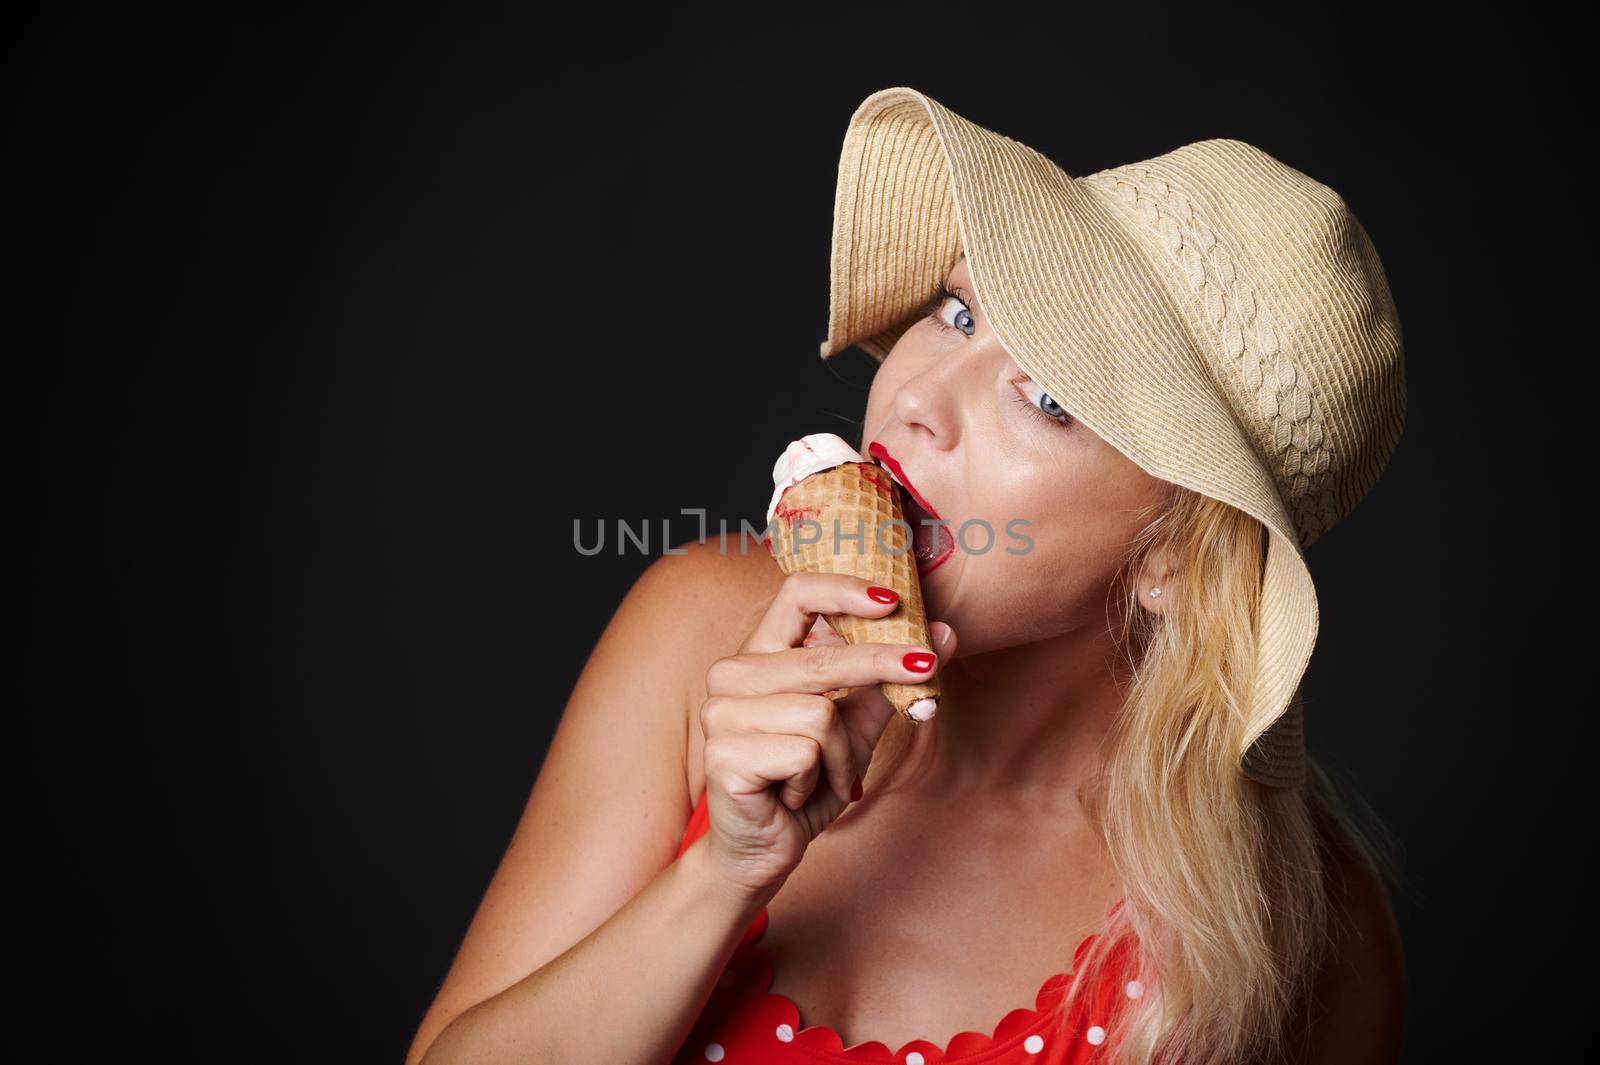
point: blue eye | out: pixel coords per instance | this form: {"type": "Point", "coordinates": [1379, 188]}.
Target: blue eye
{"type": "Point", "coordinates": [1039, 403]}
{"type": "Point", "coordinates": [963, 321]}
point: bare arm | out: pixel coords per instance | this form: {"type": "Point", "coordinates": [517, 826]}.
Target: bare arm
{"type": "Point", "coordinates": [630, 991]}
{"type": "Point", "coordinates": [588, 914]}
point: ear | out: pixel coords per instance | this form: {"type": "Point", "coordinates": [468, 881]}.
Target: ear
{"type": "Point", "coordinates": [1153, 581]}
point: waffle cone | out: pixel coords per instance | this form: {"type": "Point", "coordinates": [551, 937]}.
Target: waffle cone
{"type": "Point", "coordinates": [860, 497]}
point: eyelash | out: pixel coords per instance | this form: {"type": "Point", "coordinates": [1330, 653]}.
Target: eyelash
{"type": "Point", "coordinates": [930, 309]}
{"type": "Point", "coordinates": [1037, 411]}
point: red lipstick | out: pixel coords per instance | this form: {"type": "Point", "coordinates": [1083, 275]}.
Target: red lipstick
{"type": "Point", "coordinates": [881, 453]}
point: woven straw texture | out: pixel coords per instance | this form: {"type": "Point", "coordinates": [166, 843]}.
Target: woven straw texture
{"type": "Point", "coordinates": [860, 498]}
{"type": "Point", "coordinates": [1219, 317]}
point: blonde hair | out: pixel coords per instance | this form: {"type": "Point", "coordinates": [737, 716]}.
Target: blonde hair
{"type": "Point", "coordinates": [1225, 915]}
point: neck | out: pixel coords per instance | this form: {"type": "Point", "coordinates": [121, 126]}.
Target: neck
{"type": "Point", "coordinates": [1033, 717]}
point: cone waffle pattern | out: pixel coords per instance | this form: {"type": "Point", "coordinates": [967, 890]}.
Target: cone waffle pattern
{"type": "Point", "coordinates": [861, 497]}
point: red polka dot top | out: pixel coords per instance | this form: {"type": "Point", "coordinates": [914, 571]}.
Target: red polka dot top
{"type": "Point", "coordinates": [742, 1024]}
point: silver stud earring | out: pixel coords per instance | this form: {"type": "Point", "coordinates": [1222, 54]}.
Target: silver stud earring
{"type": "Point", "coordinates": [1155, 592]}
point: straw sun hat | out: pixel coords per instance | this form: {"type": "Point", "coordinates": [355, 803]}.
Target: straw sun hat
{"type": "Point", "coordinates": [1216, 315]}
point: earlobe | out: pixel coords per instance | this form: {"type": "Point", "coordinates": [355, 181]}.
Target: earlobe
{"type": "Point", "coordinates": [1153, 589]}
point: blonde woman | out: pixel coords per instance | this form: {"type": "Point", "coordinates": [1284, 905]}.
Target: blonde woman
{"type": "Point", "coordinates": [1110, 843]}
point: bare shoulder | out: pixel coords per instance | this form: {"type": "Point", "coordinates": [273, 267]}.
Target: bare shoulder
{"type": "Point", "coordinates": [1367, 927]}
{"type": "Point", "coordinates": [606, 813]}
{"type": "Point", "coordinates": [718, 590]}
{"type": "Point", "coordinates": [719, 596]}
{"type": "Point", "coordinates": [1359, 998]}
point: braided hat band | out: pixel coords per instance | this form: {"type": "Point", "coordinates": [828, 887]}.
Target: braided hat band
{"type": "Point", "coordinates": [1217, 316]}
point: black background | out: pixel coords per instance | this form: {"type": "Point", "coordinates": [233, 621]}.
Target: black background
{"type": "Point", "coordinates": [334, 322]}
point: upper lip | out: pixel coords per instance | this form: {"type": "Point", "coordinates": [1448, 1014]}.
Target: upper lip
{"type": "Point", "coordinates": [889, 462]}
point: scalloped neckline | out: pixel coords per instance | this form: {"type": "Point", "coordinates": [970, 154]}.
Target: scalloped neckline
{"type": "Point", "coordinates": [822, 1040]}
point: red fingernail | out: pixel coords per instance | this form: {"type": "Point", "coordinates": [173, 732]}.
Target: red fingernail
{"type": "Point", "coordinates": [883, 595]}
{"type": "Point", "coordinates": [855, 791]}
{"type": "Point", "coordinates": [919, 661]}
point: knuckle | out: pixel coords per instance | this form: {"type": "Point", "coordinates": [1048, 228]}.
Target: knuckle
{"type": "Point", "coordinates": [720, 675]}
{"type": "Point", "coordinates": [821, 712]}
{"type": "Point", "coordinates": [810, 753]}
{"type": "Point", "coordinates": [804, 586]}
{"type": "Point", "coordinates": [795, 585]}
{"type": "Point", "coordinates": [821, 660]}
{"type": "Point", "coordinates": [711, 712]}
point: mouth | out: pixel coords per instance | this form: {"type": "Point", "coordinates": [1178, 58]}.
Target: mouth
{"type": "Point", "coordinates": [932, 543]}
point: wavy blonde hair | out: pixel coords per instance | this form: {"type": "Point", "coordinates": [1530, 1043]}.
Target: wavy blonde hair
{"type": "Point", "coordinates": [1226, 912]}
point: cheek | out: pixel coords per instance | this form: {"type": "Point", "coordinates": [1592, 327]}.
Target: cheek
{"type": "Point", "coordinates": [1006, 600]}
{"type": "Point", "coordinates": [1077, 532]}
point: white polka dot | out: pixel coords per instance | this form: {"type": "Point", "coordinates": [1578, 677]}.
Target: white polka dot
{"type": "Point", "coordinates": [1097, 1035]}
{"type": "Point", "coordinates": [714, 1052]}
{"type": "Point", "coordinates": [785, 1033]}
{"type": "Point", "coordinates": [914, 1058]}
{"type": "Point", "coordinates": [1134, 989]}
{"type": "Point", "coordinates": [1033, 1044]}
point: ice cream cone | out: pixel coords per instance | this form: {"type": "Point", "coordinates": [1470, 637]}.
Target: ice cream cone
{"type": "Point", "coordinates": [863, 499]}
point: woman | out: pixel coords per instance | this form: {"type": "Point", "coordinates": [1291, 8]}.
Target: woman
{"type": "Point", "coordinates": [1178, 373]}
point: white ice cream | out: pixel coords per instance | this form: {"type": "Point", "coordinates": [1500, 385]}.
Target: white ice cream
{"type": "Point", "coordinates": [803, 457]}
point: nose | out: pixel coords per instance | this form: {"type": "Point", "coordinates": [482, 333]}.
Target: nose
{"type": "Point", "coordinates": [932, 400]}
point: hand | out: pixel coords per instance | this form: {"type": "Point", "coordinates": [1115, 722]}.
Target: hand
{"type": "Point", "coordinates": [772, 731]}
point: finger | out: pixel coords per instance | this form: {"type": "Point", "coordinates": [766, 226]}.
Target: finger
{"type": "Point", "coordinates": [819, 668]}
{"type": "Point", "coordinates": [822, 632]}
{"type": "Point", "coordinates": [813, 716]}
{"type": "Point", "coordinates": [802, 597]}
{"type": "Point", "coordinates": [749, 763]}
{"type": "Point", "coordinates": [867, 713]}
